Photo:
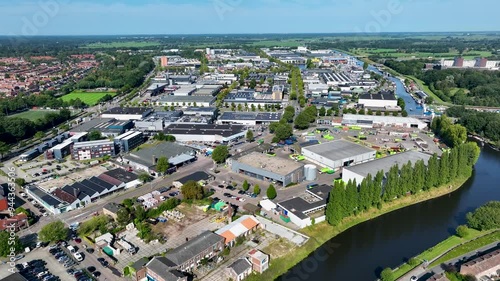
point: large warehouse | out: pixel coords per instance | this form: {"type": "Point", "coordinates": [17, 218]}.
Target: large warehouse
{"type": "Point", "coordinates": [381, 100]}
{"type": "Point", "coordinates": [372, 121]}
{"type": "Point", "coordinates": [359, 172]}
{"type": "Point", "coordinates": [338, 153]}
{"type": "Point", "coordinates": [127, 113]}
{"type": "Point", "coordinates": [258, 165]}
{"type": "Point", "coordinates": [249, 118]}
{"type": "Point", "coordinates": [205, 132]}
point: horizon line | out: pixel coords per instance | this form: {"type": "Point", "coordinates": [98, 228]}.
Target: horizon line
{"type": "Point", "coordinates": [271, 33]}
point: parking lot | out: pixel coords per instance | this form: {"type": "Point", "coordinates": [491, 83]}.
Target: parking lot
{"type": "Point", "coordinates": [52, 265]}
{"type": "Point", "coordinates": [40, 169]}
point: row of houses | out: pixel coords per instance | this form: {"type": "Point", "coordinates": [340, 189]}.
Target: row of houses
{"type": "Point", "coordinates": [80, 194]}
{"type": "Point", "coordinates": [176, 263]}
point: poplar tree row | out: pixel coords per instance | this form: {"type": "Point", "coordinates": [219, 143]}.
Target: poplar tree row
{"type": "Point", "coordinates": [347, 199]}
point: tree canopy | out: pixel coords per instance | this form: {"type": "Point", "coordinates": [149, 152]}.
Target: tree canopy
{"type": "Point", "coordinates": [220, 154]}
{"type": "Point", "coordinates": [485, 217]}
{"type": "Point", "coordinates": [162, 165]}
{"type": "Point", "coordinates": [271, 192]}
{"type": "Point", "coordinates": [192, 190]}
{"type": "Point", "coordinates": [5, 244]}
{"type": "Point", "coordinates": [53, 232]}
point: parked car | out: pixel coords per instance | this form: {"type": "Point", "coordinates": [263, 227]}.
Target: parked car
{"type": "Point", "coordinates": [78, 256]}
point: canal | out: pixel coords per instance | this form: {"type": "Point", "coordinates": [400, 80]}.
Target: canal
{"type": "Point", "coordinates": [361, 252]}
{"type": "Point", "coordinates": [412, 107]}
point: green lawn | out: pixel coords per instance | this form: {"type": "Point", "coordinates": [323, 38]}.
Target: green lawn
{"type": "Point", "coordinates": [444, 246]}
{"type": "Point", "coordinates": [428, 91]}
{"type": "Point", "coordinates": [124, 44]}
{"type": "Point", "coordinates": [280, 43]}
{"type": "Point", "coordinates": [394, 53]}
{"type": "Point", "coordinates": [33, 114]}
{"type": "Point", "coordinates": [88, 98]}
{"type": "Point", "coordinates": [468, 247]}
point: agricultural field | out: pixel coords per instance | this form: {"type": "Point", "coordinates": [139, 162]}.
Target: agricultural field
{"type": "Point", "coordinates": [89, 98]}
{"type": "Point", "coordinates": [124, 44]}
{"type": "Point", "coordinates": [396, 54]}
{"type": "Point", "coordinates": [33, 115]}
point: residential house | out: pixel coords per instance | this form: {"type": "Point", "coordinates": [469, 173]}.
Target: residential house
{"type": "Point", "coordinates": [259, 260]}
{"type": "Point", "coordinates": [161, 269]}
{"type": "Point", "coordinates": [241, 227]}
{"type": "Point", "coordinates": [485, 265]}
{"type": "Point", "coordinates": [187, 256]}
{"type": "Point", "coordinates": [15, 223]}
{"type": "Point", "coordinates": [4, 191]}
{"type": "Point", "coordinates": [239, 270]}
{"type": "Point", "coordinates": [111, 209]}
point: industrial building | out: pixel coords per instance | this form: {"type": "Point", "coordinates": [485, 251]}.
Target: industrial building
{"type": "Point", "coordinates": [249, 118]}
{"type": "Point", "coordinates": [382, 100]}
{"type": "Point", "coordinates": [208, 112]}
{"type": "Point", "coordinates": [372, 121]}
{"type": "Point", "coordinates": [207, 90]}
{"type": "Point", "coordinates": [300, 209]}
{"type": "Point", "coordinates": [35, 152]}
{"type": "Point", "coordinates": [338, 153]}
{"type": "Point", "coordinates": [47, 200]}
{"type": "Point", "coordinates": [204, 101]}
{"type": "Point", "coordinates": [93, 149]}
{"type": "Point", "coordinates": [273, 169]}
{"type": "Point", "coordinates": [127, 113]}
{"type": "Point", "coordinates": [128, 141]}
{"type": "Point", "coordinates": [60, 151]}
{"type": "Point", "coordinates": [156, 88]}
{"type": "Point", "coordinates": [107, 126]}
{"type": "Point", "coordinates": [158, 120]}
{"type": "Point", "coordinates": [146, 159]}
{"type": "Point", "coordinates": [359, 172]}
{"type": "Point", "coordinates": [205, 132]}
{"type": "Point", "coordinates": [250, 97]}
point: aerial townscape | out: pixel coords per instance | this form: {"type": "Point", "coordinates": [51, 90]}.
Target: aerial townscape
{"type": "Point", "coordinates": [237, 144]}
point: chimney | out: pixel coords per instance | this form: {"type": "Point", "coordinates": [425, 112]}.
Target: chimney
{"type": "Point", "coordinates": [154, 159]}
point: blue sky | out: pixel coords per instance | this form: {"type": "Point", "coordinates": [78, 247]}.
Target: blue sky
{"type": "Point", "coordinates": [109, 17]}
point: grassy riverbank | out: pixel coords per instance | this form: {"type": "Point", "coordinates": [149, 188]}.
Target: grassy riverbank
{"type": "Point", "coordinates": [323, 232]}
{"type": "Point", "coordinates": [468, 247]}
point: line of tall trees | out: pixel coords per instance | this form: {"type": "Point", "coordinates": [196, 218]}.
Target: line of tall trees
{"type": "Point", "coordinates": [351, 198]}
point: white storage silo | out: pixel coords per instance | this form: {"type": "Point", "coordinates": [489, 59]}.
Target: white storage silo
{"type": "Point", "coordinates": [310, 172]}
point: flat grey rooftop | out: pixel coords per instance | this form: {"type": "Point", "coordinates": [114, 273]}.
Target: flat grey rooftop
{"type": "Point", "coordinates": [277, 165]}
{"type": "Point", "coordinates": [339, 149]}
{"type": "Point", "coordinates": [257, 116]}
{"type": "Point", "coordinates": [182, 99]}
{"type": "Point", "coordinates": [166, 149]}
{"type": "Point", "coordinates": [386, 163]}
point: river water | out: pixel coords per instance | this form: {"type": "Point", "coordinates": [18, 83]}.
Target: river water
{"type": "Point", "coordinates": [361, 252]}
{"type": "Point", "coordinates": [412, 107]}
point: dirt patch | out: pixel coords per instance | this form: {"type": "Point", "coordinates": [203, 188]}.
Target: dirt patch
{"type": "Point", "coordinates": [279, 248]}
{"type": "Point", "coordinates": [172, 228]}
